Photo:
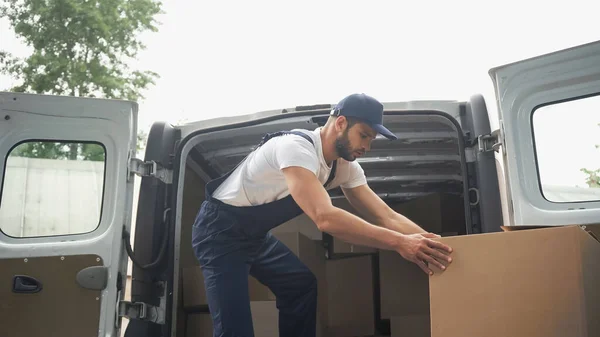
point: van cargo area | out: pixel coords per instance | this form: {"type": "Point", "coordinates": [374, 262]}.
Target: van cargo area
{"type": "Point", "coordinates": [362, 291]}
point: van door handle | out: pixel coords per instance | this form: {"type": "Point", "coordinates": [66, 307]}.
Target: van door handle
{"type": "Point", "coordinates": [26, 284]}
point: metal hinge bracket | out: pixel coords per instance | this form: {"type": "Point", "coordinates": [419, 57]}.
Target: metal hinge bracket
{"type": "Point", "coordinates": [141, 311]}
{"type": "Point", "coordinates": [487, 143]}
{"type": "Point", "coordinates": [150, 169]}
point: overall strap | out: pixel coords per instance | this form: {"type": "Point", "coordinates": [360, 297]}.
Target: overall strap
{"type": "Point", "coordinates": [331, 174]}
{"type": "Point", "coordinates": [268, 136]}
{"type": "Point", "coordinates": [308, 138]}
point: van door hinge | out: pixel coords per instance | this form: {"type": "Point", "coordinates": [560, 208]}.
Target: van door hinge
{"type": "Point", "coordinates": [141, 311]}
{"type": "Point", "coordinates": [487, 143]}
{"type": "Point", "coordinates": [150, 169]}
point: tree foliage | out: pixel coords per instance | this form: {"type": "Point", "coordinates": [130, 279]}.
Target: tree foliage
{"type": "Point", "coordinates": [593, 176]}
{"type": "Point", "coordinates": [60, 151]}
{"type": "Point", "coordinates": [80, 48]}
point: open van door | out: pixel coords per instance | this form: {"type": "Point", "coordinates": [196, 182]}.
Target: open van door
{"type": "Point", "coordinates": [66, 196]}
{"type": "Point", "coordinates": [549, 109]}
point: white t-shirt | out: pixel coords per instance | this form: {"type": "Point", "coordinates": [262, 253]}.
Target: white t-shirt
{"type": "Point", "coordinates": [259, 179]}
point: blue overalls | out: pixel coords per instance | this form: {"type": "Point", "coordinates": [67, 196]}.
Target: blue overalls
{"type": "Point", "coordinates": [231, 242]}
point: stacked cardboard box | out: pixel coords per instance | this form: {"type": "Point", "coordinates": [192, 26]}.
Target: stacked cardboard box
{"type": "Point", "coordinates": [263, 312]}
{"type": "Point", "coordinates": [198, 325]}
{"type": "Point", "coordinates": [345, 289]}
{"type": "Point", "coordinates": [526, 281]}
{"type": "Point", "coordinates": [403, 287]}
{"type": "Point", "coordinates": [435, 212]}
{"type": "Point", "coordinates": [312, 254]}
{"type": "Point", "coordinates": [345, 294]}
{"type": "Point", "coordinates": [350, 291]}
{"type": "Point", "coordinates": [304, 225]}
{"type": "Point", "coordinates": [530, 282]}
{"type": "Point", "coordinates": [410, 326]}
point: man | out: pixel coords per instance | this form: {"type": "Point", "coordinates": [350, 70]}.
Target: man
{"type": "Point", "coordinates": [286, 175]}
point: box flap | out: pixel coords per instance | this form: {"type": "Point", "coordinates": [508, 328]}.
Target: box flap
{"type": "Point", "coordinates": [520, 228]}
{"type": "Point", "coordinates": [593, 230]}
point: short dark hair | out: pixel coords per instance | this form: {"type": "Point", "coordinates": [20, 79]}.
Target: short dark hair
{"type": "Point", "coordinates": [351, 120]}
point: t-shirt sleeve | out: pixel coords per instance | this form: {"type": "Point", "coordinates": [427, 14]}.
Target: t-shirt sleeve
{"type": "Point", "coordinates": [295, 151]}
{"type": "Point", "coordinates": [356, 176]}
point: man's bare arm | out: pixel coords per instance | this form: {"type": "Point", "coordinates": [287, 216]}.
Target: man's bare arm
{"type": "Point", "coordinates": [370, 205]}
{"type": "Point", "coordinates": [310, 195]}
{"type": "Point", "coordinates": [313, 199]}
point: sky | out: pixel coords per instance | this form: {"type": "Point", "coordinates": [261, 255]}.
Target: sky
{"type": "Point", "coordinates": [235, 57]}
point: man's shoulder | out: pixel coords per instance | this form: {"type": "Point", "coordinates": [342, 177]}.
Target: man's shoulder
{"type": "Point", "coordinates": [291, 150]}
{"type": "Point", "coordinates": [298, 137]}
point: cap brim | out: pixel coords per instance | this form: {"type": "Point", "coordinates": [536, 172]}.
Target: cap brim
{"type": "Point", "coordinates": [384, 131]}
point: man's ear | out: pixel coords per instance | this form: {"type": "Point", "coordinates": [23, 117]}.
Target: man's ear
{"type": "Point", "coordinates": [341, 123]}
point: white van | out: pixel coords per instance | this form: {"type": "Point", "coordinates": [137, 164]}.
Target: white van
{"type": "Point", "coordinates": [65, 209]}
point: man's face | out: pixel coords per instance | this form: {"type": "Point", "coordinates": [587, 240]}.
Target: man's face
{"type": "Point", "coordinates": [354, 141]}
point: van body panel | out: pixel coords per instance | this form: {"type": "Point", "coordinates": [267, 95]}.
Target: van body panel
{"type": "Point", "coordinates": [521, 89]}
{"type": "Point", "coordinates": [66, 198]}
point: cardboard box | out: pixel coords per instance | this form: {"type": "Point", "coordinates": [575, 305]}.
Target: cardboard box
{"type": "Point", "coordinates": [301, 224]}
{"type": "Point", "coordinates": [308, 250]}
{"type": "Point", "coordinates": [193, 290]}
{"type": "Point", "coordinates": [304, 225]}
{"type": "Point", "coordinates": [198, 325]}
{"type": "Point", "coordinates": [265, 318]}
{"type": "Point", "coordinates": [350, 296]}
{"type": "Point", "coordinates": [533, 283]}
{"type": "Point", "coordinates": [194, 293]}
{"type": "Point", "coordinates": [342, 248]}
{"type": "Point", "coordinates": [410, 326]}
{"type": "Point", "coordinates": [404, 287]}
{"type": "Point", "coordinates": [258, 291]}
{"type": "Point", "coordinates": [436, 212]}
{"type": "Point", "coordinates": [312, 254]}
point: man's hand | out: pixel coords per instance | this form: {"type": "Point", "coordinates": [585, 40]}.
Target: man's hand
{"type": "Point", "coordinates": [421, 250]}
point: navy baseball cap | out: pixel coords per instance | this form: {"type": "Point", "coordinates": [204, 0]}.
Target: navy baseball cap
{"type": "Point", "coordinates": [365, 108]}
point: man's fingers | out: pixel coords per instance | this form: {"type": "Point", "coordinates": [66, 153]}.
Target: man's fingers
{"type": "Point", "coordinates": [430, 259]}
{"type": "Point", "coordinates": [431, 235]}
{"type": "Point", "coordinates": [439, 245]}
{"type": "Point", "coordinates": [439, 255]}
{"type": "Point", "coordinates": [424, 267]}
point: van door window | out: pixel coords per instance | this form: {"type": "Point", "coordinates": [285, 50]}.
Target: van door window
{"type": "Point", "coordinates": [567, 148]}
{"type": "Point", "coordinates": [52, 188]}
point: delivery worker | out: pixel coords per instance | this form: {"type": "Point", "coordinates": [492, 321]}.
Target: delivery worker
{"type": "Point", "coordinates": [287, 174]}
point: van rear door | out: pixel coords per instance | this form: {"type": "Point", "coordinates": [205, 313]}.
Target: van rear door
{"type": "Point", "coordinates": [66, 196]}
{"type": "Point", "coordinates": [549, 114]}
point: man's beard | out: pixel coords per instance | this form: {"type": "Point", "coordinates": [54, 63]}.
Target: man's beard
{"type": "Point", "coordinates": [342, 147]}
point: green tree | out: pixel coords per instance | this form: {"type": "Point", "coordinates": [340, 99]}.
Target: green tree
{"type": "Point", "coordinates": [593, 176]}
{"type": "Point", "coordinates": [80, 48]}
{"type": "Point", "coordinates": [59, 150]}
